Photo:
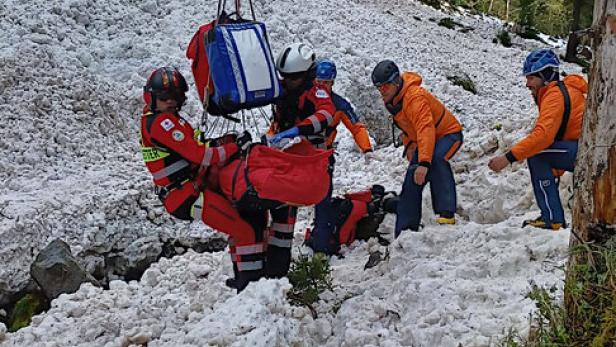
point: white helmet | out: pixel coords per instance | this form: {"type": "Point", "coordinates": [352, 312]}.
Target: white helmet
{"type": "Point", "coordinates": [296, 57]}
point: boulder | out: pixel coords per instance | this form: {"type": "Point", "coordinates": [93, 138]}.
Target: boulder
{"type": "Point", "coordinates": [56, 271]}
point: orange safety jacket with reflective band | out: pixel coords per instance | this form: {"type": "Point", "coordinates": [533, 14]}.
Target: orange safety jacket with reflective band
{"type": "Point", "coordinates": [423, 119]}
{"type": "Point", "coordinates": [551, 104]}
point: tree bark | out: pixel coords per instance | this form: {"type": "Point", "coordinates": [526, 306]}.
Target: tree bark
{"type": "Point", "coordinates": [572, 42]}
{"type": "Point", "coordinates": [594, 207]}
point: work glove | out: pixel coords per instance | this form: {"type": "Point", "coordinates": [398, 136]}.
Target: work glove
{"type": "Point", "coordinates": [244, 141]}
{"type": "Point", "coordinates": [289, 133]}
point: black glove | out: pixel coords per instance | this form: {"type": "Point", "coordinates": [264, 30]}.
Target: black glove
{"type": "Point", "coordinates": [244, 141]}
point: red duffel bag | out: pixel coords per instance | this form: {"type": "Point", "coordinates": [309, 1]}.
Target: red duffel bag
{"type": "Point", "coordinates": [294, 179]}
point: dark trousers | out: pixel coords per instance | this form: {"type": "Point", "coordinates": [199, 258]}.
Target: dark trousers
{"type": "Point", "coordinates": [560, 155]}
{"type": "Point", "coordinates": [442, 185]}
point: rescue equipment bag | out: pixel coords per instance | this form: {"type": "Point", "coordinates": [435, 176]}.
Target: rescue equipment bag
{"type": "Point", "coordinates": [241, 66]}
{"type": "Point", "coordinates": [294, 179]}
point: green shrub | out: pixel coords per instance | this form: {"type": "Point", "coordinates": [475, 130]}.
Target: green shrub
{"type": "Point", "coordinates": [25, 309]}
{"type": "Point", "coordinates": [504, 38]}
{"type": "Point", "coordinates": [447, 23]}
{"type": "Point", "coordinates": [463, 81]}
{"type": "Point", "coordinates": [589, 317]}
{"type": "Point", "coordinates": [310, 276]}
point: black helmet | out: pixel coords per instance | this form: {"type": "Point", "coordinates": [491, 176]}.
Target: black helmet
{"type": "Point", "coordinates": [165, 82]}
{"type": "Point", "coordinates": [385, 71]}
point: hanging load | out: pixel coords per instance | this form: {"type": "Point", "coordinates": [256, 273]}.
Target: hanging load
{"type": "Point", "coordinates": [241, 66]}
{"type": "Point", "coordinates": [232, 63]}
{"type": "Point", "coordinates": [267, 176]}
{"type": "Point", "coordinates": [200, 65]}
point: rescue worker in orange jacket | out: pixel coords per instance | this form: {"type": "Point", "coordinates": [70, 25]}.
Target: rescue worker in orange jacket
{"type": "Point", "coordinates": [179, 165]}
{"type": "Point", "coordinates": [553, 142]}
{"type": "Point", "coordinates": [345, 112]}
{"type": "Point", "coordinates": [305, 109]}
{"type": "Point", "coordinates": [431, 135]}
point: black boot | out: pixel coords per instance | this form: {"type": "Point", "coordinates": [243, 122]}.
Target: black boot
{"type": "Point", "coordinates": [278, 261]}
{"type": "Point", "coordinates": [245, 277]}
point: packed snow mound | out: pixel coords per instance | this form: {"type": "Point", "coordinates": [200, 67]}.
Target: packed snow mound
{"type": "Point", "coordinates": [71, 77]}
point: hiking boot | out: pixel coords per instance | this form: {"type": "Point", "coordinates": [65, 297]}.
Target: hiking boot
{"type": "Point", "coordinates": [231, 283]}
{"type": "Point", "coordinates": [540, 223]}
{"type": "Point", "coordinates": [445, 218]}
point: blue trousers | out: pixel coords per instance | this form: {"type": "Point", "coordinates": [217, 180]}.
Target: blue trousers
{"type": "Point", "coordinates": [560, 155]}
{"type": "Point", "coordinates": [442, 185]}
{"type": "Point", "coordinates": [323, 237]}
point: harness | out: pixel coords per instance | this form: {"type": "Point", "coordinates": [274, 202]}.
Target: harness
{"type": "Point", "coordinates": [563, 125]}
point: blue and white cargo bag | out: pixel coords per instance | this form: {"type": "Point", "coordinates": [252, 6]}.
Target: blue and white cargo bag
{"type": "Point", "coordinates": [241, 66]}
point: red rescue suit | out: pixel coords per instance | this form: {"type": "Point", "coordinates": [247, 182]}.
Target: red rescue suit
{"type": "Point", "coordinates": [179, 165]}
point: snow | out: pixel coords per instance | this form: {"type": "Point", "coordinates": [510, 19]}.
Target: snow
{"type": "Point", "coordinates": [71, 74]}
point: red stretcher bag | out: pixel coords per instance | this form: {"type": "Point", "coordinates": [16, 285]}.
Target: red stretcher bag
{"type": "Point", "coordinates": [294, 179]}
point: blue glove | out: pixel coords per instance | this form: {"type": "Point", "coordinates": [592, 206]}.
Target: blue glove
{"type": "Point", "coordinates": [289, 133]}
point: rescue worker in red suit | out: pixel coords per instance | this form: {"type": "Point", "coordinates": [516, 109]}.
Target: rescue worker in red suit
{"type": "Point", "coordinates": [179, 165]}
{"type": "Point", "coordinates": [305, 109]}
{"type": "Point", "coordinates": [325, 213]}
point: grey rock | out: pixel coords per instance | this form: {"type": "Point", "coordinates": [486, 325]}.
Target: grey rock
{"type": "Point", "coordinates": [56, 271]}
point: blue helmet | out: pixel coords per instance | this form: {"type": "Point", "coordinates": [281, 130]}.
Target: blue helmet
{"type": "Point", "coordinates": [326, 70]}
{"type": "Point", "coordinates": [539, 60]}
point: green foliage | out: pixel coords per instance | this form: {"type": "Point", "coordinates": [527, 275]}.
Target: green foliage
{"type": "Point", "coordinates": [447, 23]}
{"type": "Point", "coordinates": [589, 317]}
{"type": "Point", "coordinates": [310, 276]}
{"type": "Point", "coordinates": [549, 16]}
{"type": "Point", "coordinates": [25, 309]}
{"type": "Point", "coordinates": [463, 81]}
{"type": "Point", "coordinates": [433, 3]}
{"type": "Point", "coordinates": [504, 38]}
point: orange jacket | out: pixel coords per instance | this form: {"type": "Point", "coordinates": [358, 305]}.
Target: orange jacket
{"type": "Point", "coordinates": [551, 105]}
{"type": "Point", "coordinates": [423, 118]}
{"type": "Point", "coordinates": [345, 113]}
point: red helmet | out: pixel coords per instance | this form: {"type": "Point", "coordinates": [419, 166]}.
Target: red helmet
{"type": "Point", "coordinates": [165, 83]}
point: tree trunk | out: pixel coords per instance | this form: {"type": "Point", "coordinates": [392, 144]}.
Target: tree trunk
{"type": "Point", "coordinates": [507, 10]}
{"type": "Point", "coordinates": [594, 210]}
{"type": "Point", "coordinates": [572, 43]}
{"type": "Point", "coordinates": [490, 8]}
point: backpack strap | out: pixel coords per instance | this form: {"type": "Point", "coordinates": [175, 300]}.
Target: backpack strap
{"type": "Point", "coordinates": [563, 125]}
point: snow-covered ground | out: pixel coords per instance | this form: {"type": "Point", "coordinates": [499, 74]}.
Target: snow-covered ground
{"type": "Point", "coordinates": [71, 76]}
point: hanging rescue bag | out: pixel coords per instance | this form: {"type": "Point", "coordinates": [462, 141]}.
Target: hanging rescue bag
{"type": "Point", "coordinates": [241, 66]}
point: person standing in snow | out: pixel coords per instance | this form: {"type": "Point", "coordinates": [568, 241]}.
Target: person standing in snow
{"type": "Point", "coordinates": [553, 142]}
{"type": "Point", "coordinates": [324, 213]}
{"type": "Point", "coordinates": [305, 109]}
{"type": "Point", "coordinates": [431, 135]}
{"type": "Point", "coordinates": [179, 166]}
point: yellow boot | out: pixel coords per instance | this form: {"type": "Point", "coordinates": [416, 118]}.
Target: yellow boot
{"type": "Point", "coordinates": [445, 220]}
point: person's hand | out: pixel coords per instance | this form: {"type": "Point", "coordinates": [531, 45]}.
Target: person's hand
{"type": "Point", "coordinates": [368, 157]}
{"type": "Point", "coordinates": [244, 141]}
{"type": "Point", "coordinates": [289, 133]}
{"type": "Point", "coordinates": [498, 163]}
{"type": "Point", "coordinates": [420, 175]}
